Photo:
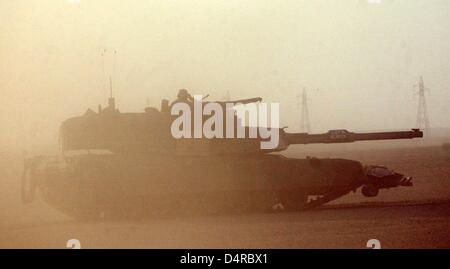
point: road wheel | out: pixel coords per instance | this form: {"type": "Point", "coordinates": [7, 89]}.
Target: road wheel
{"type": "Point", "coordinates": [293, 200]}
{"type": "Point", "coordinates": [369, 190]}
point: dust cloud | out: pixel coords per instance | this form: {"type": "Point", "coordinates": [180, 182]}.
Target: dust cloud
{"type": "Point", "coordinates": [363, 58]}
{"type": "Point", "coordinates": [357, 59]}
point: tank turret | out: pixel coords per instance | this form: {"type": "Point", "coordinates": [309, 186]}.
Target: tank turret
{"type": "Point", "coordinates": [149, 131]}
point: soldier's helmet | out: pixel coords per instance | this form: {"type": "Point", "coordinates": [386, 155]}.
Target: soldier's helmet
{"type": "Point", "coordinates": [183, 94]}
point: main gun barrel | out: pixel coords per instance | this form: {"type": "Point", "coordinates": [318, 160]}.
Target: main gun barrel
{"type": "Point", "coordinates": [240, 101]}
{"type": "Point", "coordinates": [344, 136]}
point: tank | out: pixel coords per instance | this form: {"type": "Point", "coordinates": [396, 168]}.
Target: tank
{"type": "Point", "coordinates": [128, 164]}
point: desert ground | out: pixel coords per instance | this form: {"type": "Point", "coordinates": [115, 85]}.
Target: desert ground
{"type": "Point", "coordinates": [407, 217]}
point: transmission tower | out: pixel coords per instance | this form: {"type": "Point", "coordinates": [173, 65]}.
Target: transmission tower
{"type": "Point", "coordinates": [305, 125]}
{"type": "Point", "coordinates": [423, 121]}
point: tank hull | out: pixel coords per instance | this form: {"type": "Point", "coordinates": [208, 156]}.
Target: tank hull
{"type": "Point", "coordinates": [91, 185]}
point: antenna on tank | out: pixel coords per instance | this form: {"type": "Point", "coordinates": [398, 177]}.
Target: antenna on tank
{"type": "Point", "coordinates": [110, 88]}
{"type": "Point", "coordinates": [104, 75]}
{"type": "Point", "coordinates": [114, 67]}
{"type": "Point", "coordinates": [111, 100]}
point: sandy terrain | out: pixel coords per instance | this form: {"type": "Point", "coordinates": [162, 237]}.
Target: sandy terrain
{"type": "Point", "coordinates": [415, 217]}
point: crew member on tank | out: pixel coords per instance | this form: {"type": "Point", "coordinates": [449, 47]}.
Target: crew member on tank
{"type": "Point", "coordinates": [183, 96]}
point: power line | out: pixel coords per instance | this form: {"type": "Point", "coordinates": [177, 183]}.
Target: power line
{"type": "Point", "coordinates": [423, 121]}
{"type": "Point", "coordinates": [305, 124]}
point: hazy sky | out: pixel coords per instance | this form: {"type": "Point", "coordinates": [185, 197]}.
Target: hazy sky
{"type": "Point", "coordinates": [364, 58]}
